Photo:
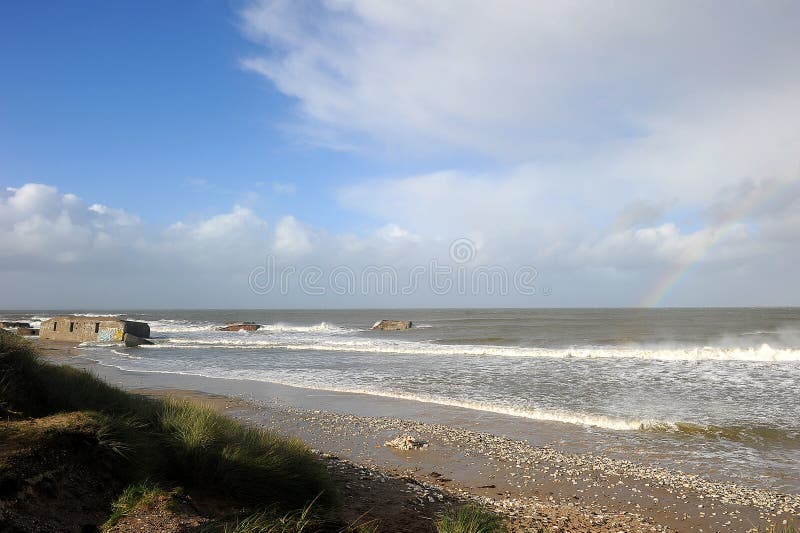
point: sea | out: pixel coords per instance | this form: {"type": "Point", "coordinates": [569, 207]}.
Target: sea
{"type": "Point", "coordinates": [715, 392]}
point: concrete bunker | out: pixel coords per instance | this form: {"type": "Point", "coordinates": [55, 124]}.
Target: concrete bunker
{"type": "Point", "coordinates": [91, 328]}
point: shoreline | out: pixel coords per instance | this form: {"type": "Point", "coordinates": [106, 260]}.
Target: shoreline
{"type": "Point", "coordinates": [689, 448]}
{"type": "Point", "coordinates": [545, 482]}
{"type": "Point", "coordinates": [531, 485]}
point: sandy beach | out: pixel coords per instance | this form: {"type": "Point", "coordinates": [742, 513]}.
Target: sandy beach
{"type": "Point", "coordinates": [538, 481]}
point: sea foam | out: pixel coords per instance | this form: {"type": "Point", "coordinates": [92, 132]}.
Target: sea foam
{"type": "Point", "coordinates": [340, 342]}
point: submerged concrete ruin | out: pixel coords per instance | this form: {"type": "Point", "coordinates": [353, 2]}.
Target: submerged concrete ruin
{"type": "Point", "coordinates": [393, 325]}
{"type": "Point", "coordinates": [240, 326]}
{"type": "Point", "coordinates": [23, 329]}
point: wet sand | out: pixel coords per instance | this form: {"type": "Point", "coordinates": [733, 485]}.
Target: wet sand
{"type": "Point", "coordinates": [533, 474]}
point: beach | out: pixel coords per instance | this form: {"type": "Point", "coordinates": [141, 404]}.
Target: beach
{"type": "Point", "coordinates": [467, 458]}
{"type": "Point", "coordinates": [577, 419]}
{"type": "Point", "coordinates": [709, 392]}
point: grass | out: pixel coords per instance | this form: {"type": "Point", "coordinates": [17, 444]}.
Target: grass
{"type": "Point", "coordinates": [470, 519]}
{"type": "Point", "coordinates": [132, 497]}
{"type": "Point", "coordinates": [272, 521]}
{"type": "Point", "coordinates": [305, 520]}
{"type": "Point", "coordinates": [170, 441]}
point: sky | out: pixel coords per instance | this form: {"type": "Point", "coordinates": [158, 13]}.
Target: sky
{"type": "Point", "coordinates": [349, 153]}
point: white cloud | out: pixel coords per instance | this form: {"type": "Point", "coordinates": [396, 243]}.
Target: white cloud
{"type": "Point", "coordinates": [519, 210]}
{"type": "Point", "coordinates": [38, 225]}
{"type": "Point", "coordinates": [394, 233]}
{"type": "Point", "coordinates": [615, 141]}
{"type": "Point", "coordinates": [291, 237]}
{"type": "Point", "coordinates": [223, 245]}
{"type": "Point", "coordinates": [657, 100]}
{"type": "Point", "coordinates": [516, 73]}
{"type": "Point", "coordinates": [517, 217]}
{"type": "Point", "coordinates": [49, 238]}
{"type": "Point", "coordinates": [116, 216]}
{"type": "Point", "coordinates": [241, 221]}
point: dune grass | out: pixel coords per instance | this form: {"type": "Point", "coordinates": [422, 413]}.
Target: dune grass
{"type": "Point", "coordinates": [305, 520]}
{"type": "Point", "coordinates": [174, 442]}
{"type": "Point", "coordinates": [470, 519]}
{"type": "Point", "coordinates": [133, 496]}
{"type": "Point", "coordinates": [271, 520]}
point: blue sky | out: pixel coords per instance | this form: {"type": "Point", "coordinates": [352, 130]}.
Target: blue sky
{"type": "Point", "coordinates": [118, 93]}
{"type": "Point", "coordinates": [114, 95]}
{"type": "Point", "coordinates": [596, 145]}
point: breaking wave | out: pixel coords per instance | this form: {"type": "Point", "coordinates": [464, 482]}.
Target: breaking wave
{"type": "Point", "coordinates": [545, 415]}
{"type": "Point", "coordinates": [258, 340]}
{"type": "Point", "coordinates": [322, 327]}
{"type": "Point", "coordinates": [753, 435]}
{"type": "Point", "coordinates": [185, 326]}
{"type": "Point", "coordinates": [179, 326]}
{"type": "Point", "coordinates": [748, 435]}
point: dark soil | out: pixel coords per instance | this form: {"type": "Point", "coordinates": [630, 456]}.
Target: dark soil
{"type": "Point", "coordinates": [55, 475]}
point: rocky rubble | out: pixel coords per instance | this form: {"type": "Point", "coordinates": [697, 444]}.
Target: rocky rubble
{"type": "Point", "coordinates": [593, 492]}
{"type": "Point", "coordinates": [406, 442]}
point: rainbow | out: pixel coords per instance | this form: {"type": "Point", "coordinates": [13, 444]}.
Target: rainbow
{"type": "Point", "coordinates": [704, 242]}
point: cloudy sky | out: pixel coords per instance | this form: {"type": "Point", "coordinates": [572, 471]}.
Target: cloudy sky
{"type": "Point", "coordinates": [190, 154]}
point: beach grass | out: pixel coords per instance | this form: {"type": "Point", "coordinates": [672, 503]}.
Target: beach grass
{"type": "Point", "coordinates": [271, 520]}
{"type": "Point", "coordinates": [133, 496]}
{"type": "Point", "coordinates": [470, 519]}
{"type": "Point", "coordinates": [305, 520]}
{"type": "Point", "coordinates": [169, 441]}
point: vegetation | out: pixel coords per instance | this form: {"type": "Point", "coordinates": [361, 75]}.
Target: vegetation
{"type": "Point", "coordinates": [470, 519]}
{"type": "Point", "coordinates": [271, 520]}
{"type": "Point", "coordinates": [257, 481]}
{"type": "Point", "coordinates": [132, 497]}
{"type": "Point", "coordinates": [304, 520]}
{"type": "Point", "coordinates": [168, 441]}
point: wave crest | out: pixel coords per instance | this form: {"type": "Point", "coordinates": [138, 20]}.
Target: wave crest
{"type": "Point", "coordinates": [322, 327]}
{"type": "Point", "coordinates": [764, 353]}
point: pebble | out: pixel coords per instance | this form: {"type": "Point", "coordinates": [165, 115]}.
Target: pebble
{"type": "Point", "coordinates": [592, 469]}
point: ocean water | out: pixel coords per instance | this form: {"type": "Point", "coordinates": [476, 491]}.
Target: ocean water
{"type": "Point", "coordinates": [714, 391]}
